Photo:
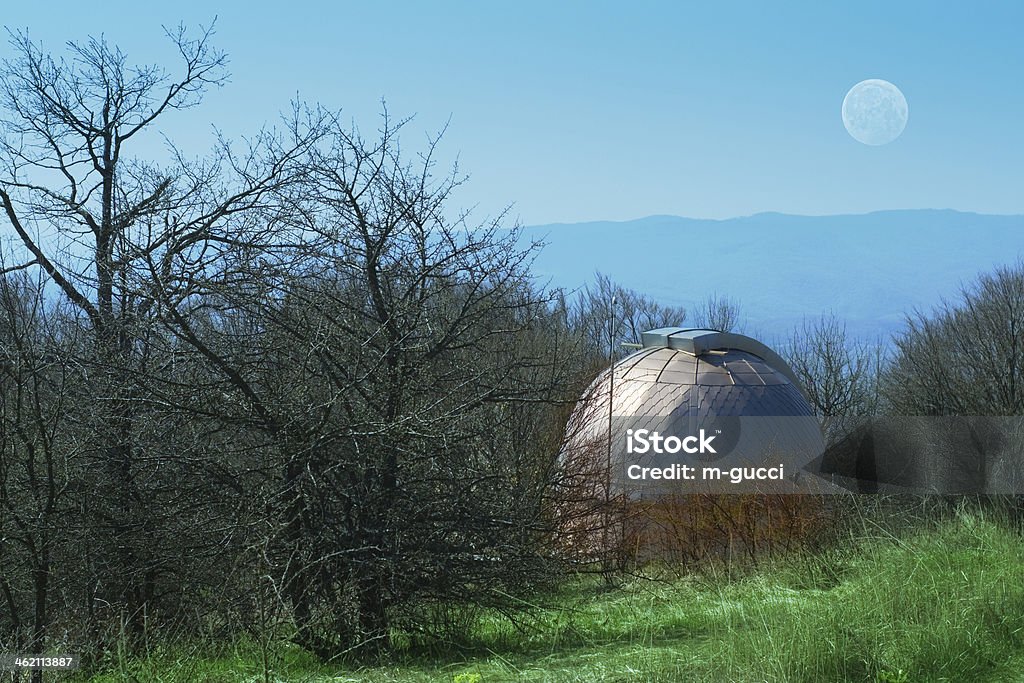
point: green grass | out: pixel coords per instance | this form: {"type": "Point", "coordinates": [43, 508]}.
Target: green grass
{"type": "Point", "coordinates": [940, 605]}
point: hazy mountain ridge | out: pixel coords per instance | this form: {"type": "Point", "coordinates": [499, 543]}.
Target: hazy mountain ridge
{"type": "Point", "coordinates": [870, 269]}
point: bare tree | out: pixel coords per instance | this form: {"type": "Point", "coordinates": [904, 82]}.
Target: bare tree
{"type": "Point", "coordinates": [953, 394]}
{"type": "Point", "coordinates": [118, 238]}
{"type": "Point", "coordinates": [37, 457]}
{"type": "Point", "coordinates": [718, 313]}
{"type": "Point", "coordinates": [393, 357]}
{"type": "Point", "coordinates": [436, 353]}
{"type": "Point", "coordinates": [839, 375]}
{"type": "Point", "coordinates": [609, 315]}
{"type": "Point", "coordinates": [966, 357]}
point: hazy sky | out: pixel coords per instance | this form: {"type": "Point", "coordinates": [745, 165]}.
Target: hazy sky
{"type": "Point", "coordinates": [586, 111]}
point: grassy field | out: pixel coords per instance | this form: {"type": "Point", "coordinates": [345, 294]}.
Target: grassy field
{"type": "Point", "coordinates": [945, 604]}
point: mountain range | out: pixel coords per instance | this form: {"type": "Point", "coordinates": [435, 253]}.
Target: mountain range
{"type": "Point", "coordinates": [871, 269]}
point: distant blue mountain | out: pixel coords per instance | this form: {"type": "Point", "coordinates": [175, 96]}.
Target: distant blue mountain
{"type": "Point", "coordinates": [870, 269]}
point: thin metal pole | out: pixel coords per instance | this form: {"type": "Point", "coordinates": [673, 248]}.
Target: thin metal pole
{"type": "Point", "coordinates": [611, 411]}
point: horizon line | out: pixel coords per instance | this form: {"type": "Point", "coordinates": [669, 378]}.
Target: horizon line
{"type": "Point", "coordinates": [776, 213]}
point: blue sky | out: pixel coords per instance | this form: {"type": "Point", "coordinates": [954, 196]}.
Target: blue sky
{"type": "Point", "coordinates": [587, 111]}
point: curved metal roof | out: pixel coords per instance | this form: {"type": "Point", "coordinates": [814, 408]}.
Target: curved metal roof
{"type": "Point", "coordinates": [699, 342]}
{"type": "Point", "coordinates": [684, 380]}
{"type": "Point", "coordinates": [663, 380]}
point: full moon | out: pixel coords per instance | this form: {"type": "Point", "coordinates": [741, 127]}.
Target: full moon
{"type": "Point", "coordinates": [875, 112]}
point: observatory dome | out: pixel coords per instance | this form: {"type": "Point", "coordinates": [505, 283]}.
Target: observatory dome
{"type": "Point", "coordinates": [729, 392]}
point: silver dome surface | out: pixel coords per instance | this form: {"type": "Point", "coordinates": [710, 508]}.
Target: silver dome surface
{"type": "Point", "coordinates": [683, 381]}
